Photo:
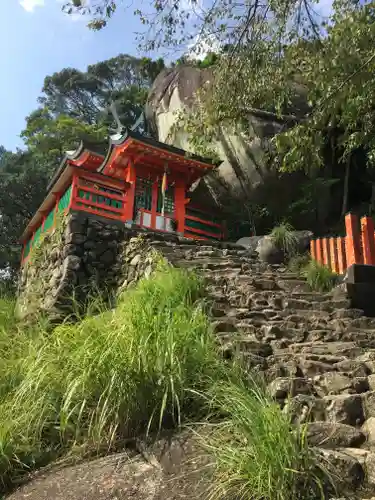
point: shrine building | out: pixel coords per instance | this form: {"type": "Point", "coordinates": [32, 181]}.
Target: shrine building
{"type": "Point", "coordinates": [139, 182]}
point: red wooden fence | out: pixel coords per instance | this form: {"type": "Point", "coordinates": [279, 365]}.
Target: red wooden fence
{"type": "Point", "coordinates": [357, 247]}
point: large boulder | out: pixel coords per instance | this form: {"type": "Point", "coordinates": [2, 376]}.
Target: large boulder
{"type": "Point", "coordinates": [245, 173]}
{"type": "Point", "coordinates": [173, 469]}
{"type": "Point", "coordinates": [269, 252]}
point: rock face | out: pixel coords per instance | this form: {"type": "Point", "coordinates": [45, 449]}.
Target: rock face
{"type": "Point", "coordinates": [268, 250]}
{"type": "Point", "coordinates": [244, 170]}
{"type": "Point", "coordinates": [169, 469]}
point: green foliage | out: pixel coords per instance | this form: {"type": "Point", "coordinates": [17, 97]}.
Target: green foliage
{"type": "Point", "coordinates": [23, 182]}
{"type": "Point", "coordinates": [285, 238]}
{"type": "Point", "coordinates": [41, 249]}
{"type": "Point", "coordinates": [86, 95]}
{"type": "Point", "coordinates": [299, 262]}
{"type": "Point", "coordinates": [49, 137]}
{"type": "Point", "coordinates": [256, 454]}
{"type": "Point", "coordinates": [89, 386]}
{"type": "Point", "coordinates": [320, 278]}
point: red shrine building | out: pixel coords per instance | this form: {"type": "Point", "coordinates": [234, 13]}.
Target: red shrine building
{"type": "Point", "coordinates": [139, 182]}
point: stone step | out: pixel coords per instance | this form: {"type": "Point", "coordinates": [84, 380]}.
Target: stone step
{"type": "Point", "coordinates": [293, 285]}
{"type": "Point", "coordinates": [240, 345]}
{"type": "Point", "coordinates": [348, 349]}
{"type": "Point", "coordinates": [226, 272]}
{"type": "Point", "coordinates": [315, 296]}
{"type": "Point", "coordinates": [194, 245]}
{"type": "Point", "coordinates": [208, 264]}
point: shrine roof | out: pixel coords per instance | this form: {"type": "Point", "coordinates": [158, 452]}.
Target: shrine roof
{"type": "Point", "coordinates": [128, 136]}
{"type": "Point", "coordinates": [88, 147]}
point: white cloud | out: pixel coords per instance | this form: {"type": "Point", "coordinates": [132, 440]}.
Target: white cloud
{"type": "Point", "coordinates": [324, 8]}
{"type": "Point", "coordinates": [30, 5]}
{"type": "Point", "coordinates": [201, 46]}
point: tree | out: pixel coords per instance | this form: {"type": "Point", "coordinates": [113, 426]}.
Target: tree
{"type": "Point", "coordinates": [23, 183]}
{"type": "Point", "coordinates": [87, 94]}
{"type": "Point", "coordinates": [48, 137]}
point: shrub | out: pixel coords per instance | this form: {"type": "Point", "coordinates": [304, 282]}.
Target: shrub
{"type": "Point", "coordinates": [256, 454]}
{"type": "Point", "coordinates": [298, 263]}
{"type": "Point", "coordinates": [320, 278]}
{"type": "Point", "coordinates": [285, 239]}
{"type": "Point", "coordinates": [89, 386]}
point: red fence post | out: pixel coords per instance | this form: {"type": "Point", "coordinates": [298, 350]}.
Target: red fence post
{"type": "Point", "coordinates": [326, 253]}
{"type": "Point", "coordinates": [353, 240]}
{"type": "Point", "coordinates": [319, 250]}
{"type": "Point", "coordinates": [334, 255]}
{"type": "Point", "coordinates": [368, 243]}
{"type": "Point", "coordinates": [313, 249]}
{"type": "Point", "coordinates": [341, 253]}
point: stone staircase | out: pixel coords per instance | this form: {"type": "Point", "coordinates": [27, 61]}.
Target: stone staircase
{"type": "Point", "coordinates": [316, 354]}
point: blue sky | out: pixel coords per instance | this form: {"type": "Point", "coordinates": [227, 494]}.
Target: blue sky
{"type": "Point", "coordinates": [37, 39]}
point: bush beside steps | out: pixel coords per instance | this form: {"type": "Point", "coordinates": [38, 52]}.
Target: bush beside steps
{"type": "Point", "coordinates": [86, 389]}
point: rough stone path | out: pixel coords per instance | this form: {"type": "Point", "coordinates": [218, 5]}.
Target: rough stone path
{"type": "Point", "coordinates": [317, 354]}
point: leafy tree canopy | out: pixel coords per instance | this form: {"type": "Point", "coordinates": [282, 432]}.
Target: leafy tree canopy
{"type": "Point", "coordinates": [23, 183]}
{"type": "Point", "coordinates": [268, 54]}
{"type": "Point", "coordinates": [87, 95]}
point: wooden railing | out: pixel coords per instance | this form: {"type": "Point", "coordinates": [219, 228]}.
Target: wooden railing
{"type": "Point", "coordinates": [201, 225]}
{"type": "Point", "coordinates": [94, 196]}
{"type": "Point", "coordinates": [87, 193]}
{"type": "Point", "coordinates": [356, 247]}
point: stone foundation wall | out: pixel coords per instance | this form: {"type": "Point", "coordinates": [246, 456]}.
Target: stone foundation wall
{"type": "Point", "coordinates": [81, 258]}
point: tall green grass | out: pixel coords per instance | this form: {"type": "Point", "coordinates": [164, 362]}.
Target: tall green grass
{"type": "Point", "coordinates": [319, 277]}
{"type": "Point", "coordinates": [257, 455]}
{"type": "Point", "coordinates": [285, 239]}
{"type": "Point", "coordinates": [150, 363]}
{"type": "Point", "coordinates": [92, 385]}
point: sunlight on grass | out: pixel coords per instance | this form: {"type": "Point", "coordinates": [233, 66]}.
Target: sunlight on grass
{"type": "Point", "coordinates": [93, 384]}
{"type": "Point", "coordinates": [256, 455]}
{"type": "Point", "coordinates": [320, 278]}
{"type": "Point", "coordinates": [149, 364]}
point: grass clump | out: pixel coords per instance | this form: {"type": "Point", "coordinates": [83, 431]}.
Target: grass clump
{"type": "Point", "coordinates": [299, 262]}
{"type": "Point", "coordinates": [257, 456]}
{"type": "Point", "coordinates": [90, 386]}
{"type": "Point", "coordinates": [319, 277]}
{"type": "Point", "coordinates": [285, 239]}
{"type": "Point", "coordinates": [150, 363]}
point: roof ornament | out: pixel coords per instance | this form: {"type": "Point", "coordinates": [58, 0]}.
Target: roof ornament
{"type": "Point", "coordinates": [121, 129]}
{"type": "Point", "coordinates": [138, 122]}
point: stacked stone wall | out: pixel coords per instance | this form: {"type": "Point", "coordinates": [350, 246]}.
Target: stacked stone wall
{"type": "Point", "coordinates": [82, 258]}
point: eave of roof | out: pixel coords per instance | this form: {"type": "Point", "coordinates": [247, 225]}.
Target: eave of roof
{"type": "Point", "coordinates": [120, 138]}
{"type": "Point", "coordinates": [91, 147]}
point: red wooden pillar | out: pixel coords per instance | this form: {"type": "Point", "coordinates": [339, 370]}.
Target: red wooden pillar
{"type": "Point", "coordinates": [180, 207]}
{"type": "Point", "coordinates": [43, 221]}
{"type": "Point", "coordinates": [334, 255]}
{"type": "Point", "coordinates": [23, 251]}
{"type": "Point", "coordinates": [313, 249]}
{"type": "Point", "coordinates": [341, 254]}
{"type": "Point", "coordinates": [154, 203]}
{"type": "Point", "coordinates": [326, 253]}
{"type": "Point", "coordinates": [368, 242]}
{"type": "Point", "coordinates": [319, 250]}
{"type": "Point", "coordinates": [353, 240]}
{"type": "Point", "coordinates": [57, 201]}
{"type": "Point", "coordinates": [73, 193]}
{"type": "Point", "coordinates": [130, 195]}
{"type": "Point", "coordinates": [31, 243]}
